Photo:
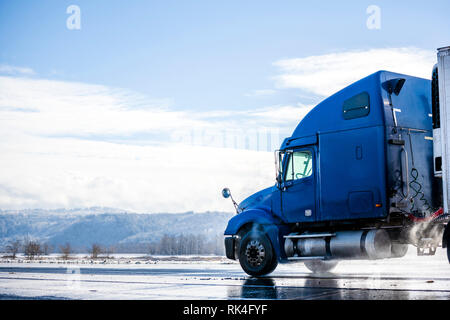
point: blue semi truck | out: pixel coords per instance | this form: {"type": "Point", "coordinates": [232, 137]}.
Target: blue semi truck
{"type": "Point", "coordinates": [363, 176]}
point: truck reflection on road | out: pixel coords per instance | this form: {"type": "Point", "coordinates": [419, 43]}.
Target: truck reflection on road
{"type": "Point", "coordinates": [265, 288]}
{"type": "Point", "coordinates": [314, 288]}
{"type": "Point", "coordinates": [254, 288]}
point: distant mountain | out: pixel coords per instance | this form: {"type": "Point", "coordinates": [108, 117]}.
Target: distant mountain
{"type": "Point", "coordinates": [83, 227]}
{"type": "Point", "coordinates": [62, 211]}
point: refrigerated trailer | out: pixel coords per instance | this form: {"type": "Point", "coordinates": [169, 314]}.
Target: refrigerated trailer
{"type": "Point", "coordinates": [441, 122]}
{"type": "Point", "coordinates": [364, 175]}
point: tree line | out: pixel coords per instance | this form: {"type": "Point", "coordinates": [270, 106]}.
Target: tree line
{"type": "Point", "coordinates": [168, 245]}
{"type": "Point", "coordinates": [186, 245]}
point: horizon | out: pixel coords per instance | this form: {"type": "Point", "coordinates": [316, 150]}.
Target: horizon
{"type": "Point", "coordinates": [105, 210]}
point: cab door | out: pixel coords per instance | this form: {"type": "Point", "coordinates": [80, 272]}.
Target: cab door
{"type": "Point", "coordinates": [298, 187]}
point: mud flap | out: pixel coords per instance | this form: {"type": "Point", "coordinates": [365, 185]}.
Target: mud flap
{"type": "Point", "coordinates": [273, 234]}
{"type": "Point", "coordinates": [229, 248]}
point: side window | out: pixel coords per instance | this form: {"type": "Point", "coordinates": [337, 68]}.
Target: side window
{"type": "Point", "coordinates": [299, 165]}
{"type": "Point", "coordinates": [356, 107]}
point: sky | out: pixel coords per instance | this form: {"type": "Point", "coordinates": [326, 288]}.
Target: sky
{"type": "Point", "coordinates": [155, 106]}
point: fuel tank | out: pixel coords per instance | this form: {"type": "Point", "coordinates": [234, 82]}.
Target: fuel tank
{"type": "Point", "coordinates": [360, 244]}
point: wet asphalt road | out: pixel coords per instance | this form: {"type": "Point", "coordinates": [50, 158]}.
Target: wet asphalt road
{"type": "Point", "coordinates": [406, 278]}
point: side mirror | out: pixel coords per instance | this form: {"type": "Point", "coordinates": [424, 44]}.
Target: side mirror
{"type": "Point", "coordinates": [226, 193]}
{"type": "Point", "coordinates": [278, 160]}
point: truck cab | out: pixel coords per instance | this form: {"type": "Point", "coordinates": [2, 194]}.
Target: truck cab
{"type": "Point", "coordinates": [352, 180]}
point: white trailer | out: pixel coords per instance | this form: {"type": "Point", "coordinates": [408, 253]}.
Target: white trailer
{"type": "Point", "coordinates": [441, 122]}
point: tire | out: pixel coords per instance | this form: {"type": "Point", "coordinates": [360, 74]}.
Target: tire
{"type": "Point", "coordinates": [446, 239]}
{"type": "Point", "coordinates": [448, 252]}
{"type": "Point", "coordinates": [318, 266]}
{"type": "Point", "coordinates": [448, 247]}
{"type": "Point", "coordinates": [256, 254]}
{"type": "Point", "coordinates": [398, 250]}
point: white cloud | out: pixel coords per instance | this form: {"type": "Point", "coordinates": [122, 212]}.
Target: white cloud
{"type": "Point", "coordinates": [283, 114]}
{"type": "Point", "coordinates": [327, 74]}
{"type": "Point", "coordinates": [66, 108]}
{"type": "Point", "coordinates": [13, 70]}
{"type": "Point", "coordinates": [74, 173]}
{"type": "Point", "coordinates": [55, 141]}
{"type": "Point", "coordinates": [261, 93]}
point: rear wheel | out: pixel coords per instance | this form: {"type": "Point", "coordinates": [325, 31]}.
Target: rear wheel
{"type": "Point", "coordinates": [320, 265]}
{"type": "Point", "coordinates": [256, 254]}
{"type": "Point", "coordinates": [448, 247]}
{"type": "Point", "coordinates": [448, 252]}
{"type": "Point", "coordinates": [398, 250]}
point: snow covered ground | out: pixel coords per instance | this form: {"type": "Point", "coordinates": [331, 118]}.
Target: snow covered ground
{"type": "Point", "coordinates": [209, 277]}
{"type": "Point", "coordinates": [119, 258]}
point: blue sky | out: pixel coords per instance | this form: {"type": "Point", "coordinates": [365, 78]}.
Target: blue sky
{"type": "Point", "coordinates": [203, 54]}
{"type": "Point", "coordinates": [196, 94]}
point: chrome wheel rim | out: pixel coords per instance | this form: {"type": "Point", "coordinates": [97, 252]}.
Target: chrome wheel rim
{"type": "Point", "coordinates": [255, 253]}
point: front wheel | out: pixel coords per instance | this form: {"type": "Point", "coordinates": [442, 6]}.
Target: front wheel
{"type": "Point", "coordinates": [256, 254]}
{"type": "Point", "coordinates": [320, 265]}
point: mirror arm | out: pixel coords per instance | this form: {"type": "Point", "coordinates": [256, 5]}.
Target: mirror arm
{"type": "Point", "coordinates": [236, 206]}
{"type": "Point", "coordinates": [226, 193]}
